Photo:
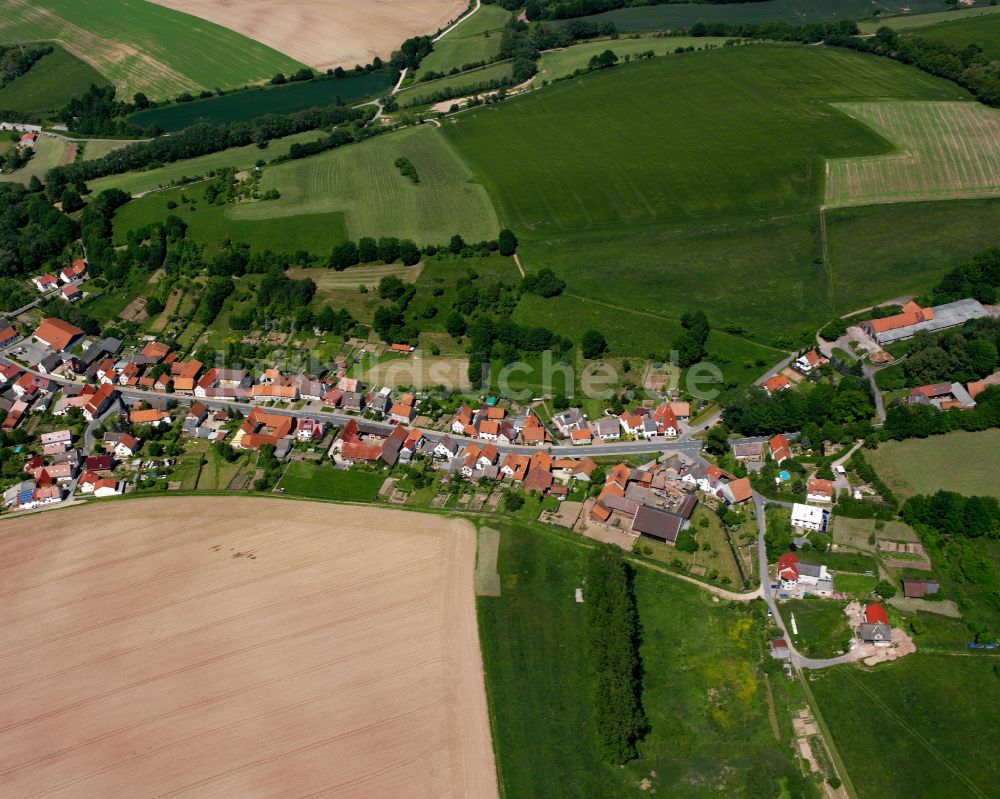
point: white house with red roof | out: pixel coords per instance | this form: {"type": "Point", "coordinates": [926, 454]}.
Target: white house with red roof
{"type": "Point", "coordinates": [45, 282]}
{"type": "Point", "coordinates": [776, 383]}
{"type": "Point", "coordinates": [811, 360]}
{"type": "Point", "coordinates": [76, 271]}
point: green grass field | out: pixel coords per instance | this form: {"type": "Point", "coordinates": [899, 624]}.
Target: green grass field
{"type": "Point", "coordinates": [557, 63]}
{"type": "Point", "coordinates": [934, 21]}
{"type": "Point", "coordinates": [324, 482]}
{"type": "Point", "coordinates": [855, 584]}
{"type": "Point", "coordinates": [98, 148]}
{"type": "Point", "coordinates": [361, 182]}
{"type": "Point", "coordinates": [590, 154]}
{"type": "Point", "coordinates": [703, 691]}
{"type": "Point", "coordinates": [946, 150]}
{"type": "Point", "coordinates": [136, 183]}
{"type": "Point", "coordinates": [49, 84]}
{"type": "Point", "coordinates": [982, 29]}
{"type": "Point", "coordinates": [822, 625]}
{"type": "Point", "coordinates": [463, 83]}
{"type": "Point", "coordinates": [967, 463]}
{"type": "Point", "coordinates": [927, 239]}
{"type": "Point", "coordinates": [475, 39]}
{"type": "Point", "coordinates": [285, 99]}
{"type": "Point", "coordinates": [796, 12]}
{"type": "Point", "coordinates": [213, 224]}
{"type": "Point", "coordinates": [915, 727]}
{"type": "Point", "coordinates": [140, 46]}
{"type": "Point", "coordinates": [49, 152]}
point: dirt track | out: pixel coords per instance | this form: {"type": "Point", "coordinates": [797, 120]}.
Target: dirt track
{"type": "Point", "coordinates": [239, 647]}
{"type": "Point", "coordinates": [327, 33]}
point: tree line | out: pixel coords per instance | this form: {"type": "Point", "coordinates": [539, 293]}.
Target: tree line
{"type": "Point", "coordinates": [921, 421]}
{"type": "Point", "coordinates": [613, 636]}
{"type": "Point", "coordinates": [200, 139]}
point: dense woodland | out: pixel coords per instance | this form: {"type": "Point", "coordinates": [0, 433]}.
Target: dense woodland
{"type": "Point", "coordinates": [15, 61]}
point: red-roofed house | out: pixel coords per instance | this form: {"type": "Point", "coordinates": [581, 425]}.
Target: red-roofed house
{"type": "Point", "coordinates": [780, 450]}
{"type": "Point", "coordinates": [806, 363]}
{"type": "Point", "coordinates": [788, 571]}
{"type": "Point", "coordinates": [819, 490]}
{"type": "Point", "coordinates": [776, 383]}
{"type": "Point", "coordinates": [57, 334]}
{"type": "Point", "coordinates": [76, 271]}
{"type": "Point", "coordinates": [737, 491]}
{"type": "Point", "coordinates": [45, 282]}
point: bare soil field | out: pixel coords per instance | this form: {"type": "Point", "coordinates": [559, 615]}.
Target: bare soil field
{"type": "Point", "coordinates": [327, 33]}
{"type": "Point", "coordinates": [240, 647]}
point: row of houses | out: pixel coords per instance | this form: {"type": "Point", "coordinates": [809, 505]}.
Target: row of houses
{"type": "Point", "coordinates": [65, 282]}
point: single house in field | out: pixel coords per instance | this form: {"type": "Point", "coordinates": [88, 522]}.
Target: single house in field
{"type": "Point", "coordinates": [819, 490]}
{"type": "Point", "coordinates": [875, 628]}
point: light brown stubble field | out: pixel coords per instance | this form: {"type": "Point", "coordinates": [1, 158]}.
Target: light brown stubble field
{"type": "Point", "coordinates": [327, 33]}
{"type": "Point", "coordinates": [224, 647]}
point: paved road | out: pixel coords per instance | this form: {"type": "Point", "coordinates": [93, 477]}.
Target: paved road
{"type": "Point", "coordinates": [798, 660]}
{"type": "Point", "coordinates": [458, 22]}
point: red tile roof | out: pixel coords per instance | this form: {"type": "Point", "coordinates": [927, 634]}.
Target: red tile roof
{"type": "Point", "coordinates": [875, 614]}
{"type": "Point", "coordinates": [57, 333]}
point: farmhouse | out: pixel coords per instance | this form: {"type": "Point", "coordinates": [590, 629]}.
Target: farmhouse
{"type": "Point", "coordinates": [749, 452]}
{"type": "Point", "coordinates": [45, 282]}
{"type": "Point", "coordinates": [76, 271]}
{"type": "Point", "coordinates": [657, 524]}
{"type": "Point", "coordinates": [811, 360]}
{"type": "Point", "coordinates": [263, 428]}
{"type": "Point", "coordinates": [942, 396]}
{"type": "Point", "coordinates": [792, 572]}
{"type": "Point", "coordinates": [737, 491]}
{"type": "Point", "coordinates": [913, 318]}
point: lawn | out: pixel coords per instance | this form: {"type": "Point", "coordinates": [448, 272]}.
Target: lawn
{"type": "Point", "coordinates": [822, 626]}
{"type": "Point", "coordinates": [946, 150]}
{"type": "Point", "coordinates": [967, 463]}
{"type": "Point", "coordinates": [856, 532]}
{"type": "Point", "coordinates": [559, 63]}
{"type": "Point", "coordinates": [285, 99]}
{"type": "Point", "coordinates": [795, 12]}
{"type": "Point", "coordinates": [927, 239]}
{"type": "Point", "coordinates": [928, 718]}
{"type": "Point", "coordinates": [218, 473]}
{"type": "Point", "coordinates": [136, 183]}
{"type": "Point", "coordinates": [213, 224]}
{"type": "Point", "coordinates": [854, 584]}
{"type": "Point", "coordinates": [51, 83]}
{"type": "Point", "coordinates": [140, 46]}
{"type": "Point", "coordinates": [476, 39]}
{"type": "Point", "coordinates": [703, 691]}
{"type": "Point", "coordinates": [463, 83]}
{"type": "Point", "coordinates": [362, 182]}
{"type": "Point", "coordinates": [325, 482]}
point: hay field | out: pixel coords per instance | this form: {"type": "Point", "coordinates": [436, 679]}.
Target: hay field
{"type": "Point", "coordinates": [238, 647]}
{"type": "Point", "coordinates": [140, 46]}
{"type": "Point", "coordinates": [475, 39]}
{"type": "Point", "coordinates": [363, 183]}
{"type": "Point", "coordinates": [327, 33]}
{"type": "Point", "coordinates": [949, 151]}
{"type": "Point", "coordinates": [49, 152]}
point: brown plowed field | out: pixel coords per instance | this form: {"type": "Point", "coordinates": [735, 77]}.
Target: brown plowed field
{"type": "Point", "coordinates": [240, 647]}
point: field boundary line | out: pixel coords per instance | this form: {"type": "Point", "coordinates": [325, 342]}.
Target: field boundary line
{"type": "Point", "coordinates": [825, 255]}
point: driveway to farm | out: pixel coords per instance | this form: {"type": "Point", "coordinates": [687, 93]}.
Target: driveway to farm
{"type": "Point", "coordinates": [798, 660]}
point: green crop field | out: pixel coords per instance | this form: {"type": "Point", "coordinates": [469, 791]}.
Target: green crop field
{"type": "Point", "coordinates": [49, 84]}
{"type": "Point", "coordinates": [703, 689]}
{"type": "Point", "coordinates": [796, 12]}
{"type": "Point", "coordinates": [285, 99]}
{"type": "Point", "coordinates": [464, 82]}
{"type": "Point", "coordinates": [324, 482]}
{"type": "Point", "coordinates": [138, 183]}
{"type": "Point", "coordinates": [927, 239]}
{"type": "Point", "coordinates": [983, 30]}
{"type": "Point", "coordinates": [557, 63]}
{"type": "Point", "coordinates": [915, 727]}
{"type": "Point", "coordinates": [476, 39]}
{"type": "Point", "coordinates": [140, 46]}
{"type": "Point", "coordinates": [967, 463]}
{"type": "Point", "coordinates": [213, 224]}
{"type": "Point", "coordinates": [362, 182]}
{"type": "Point", "coordinates": [947, 150]}
{"type": "Point", "coordinates": [932, 20]}
{"type": "Point", "coordinates": [609, 150]}
{"type": "Point", "coordinates": [673, 194]}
